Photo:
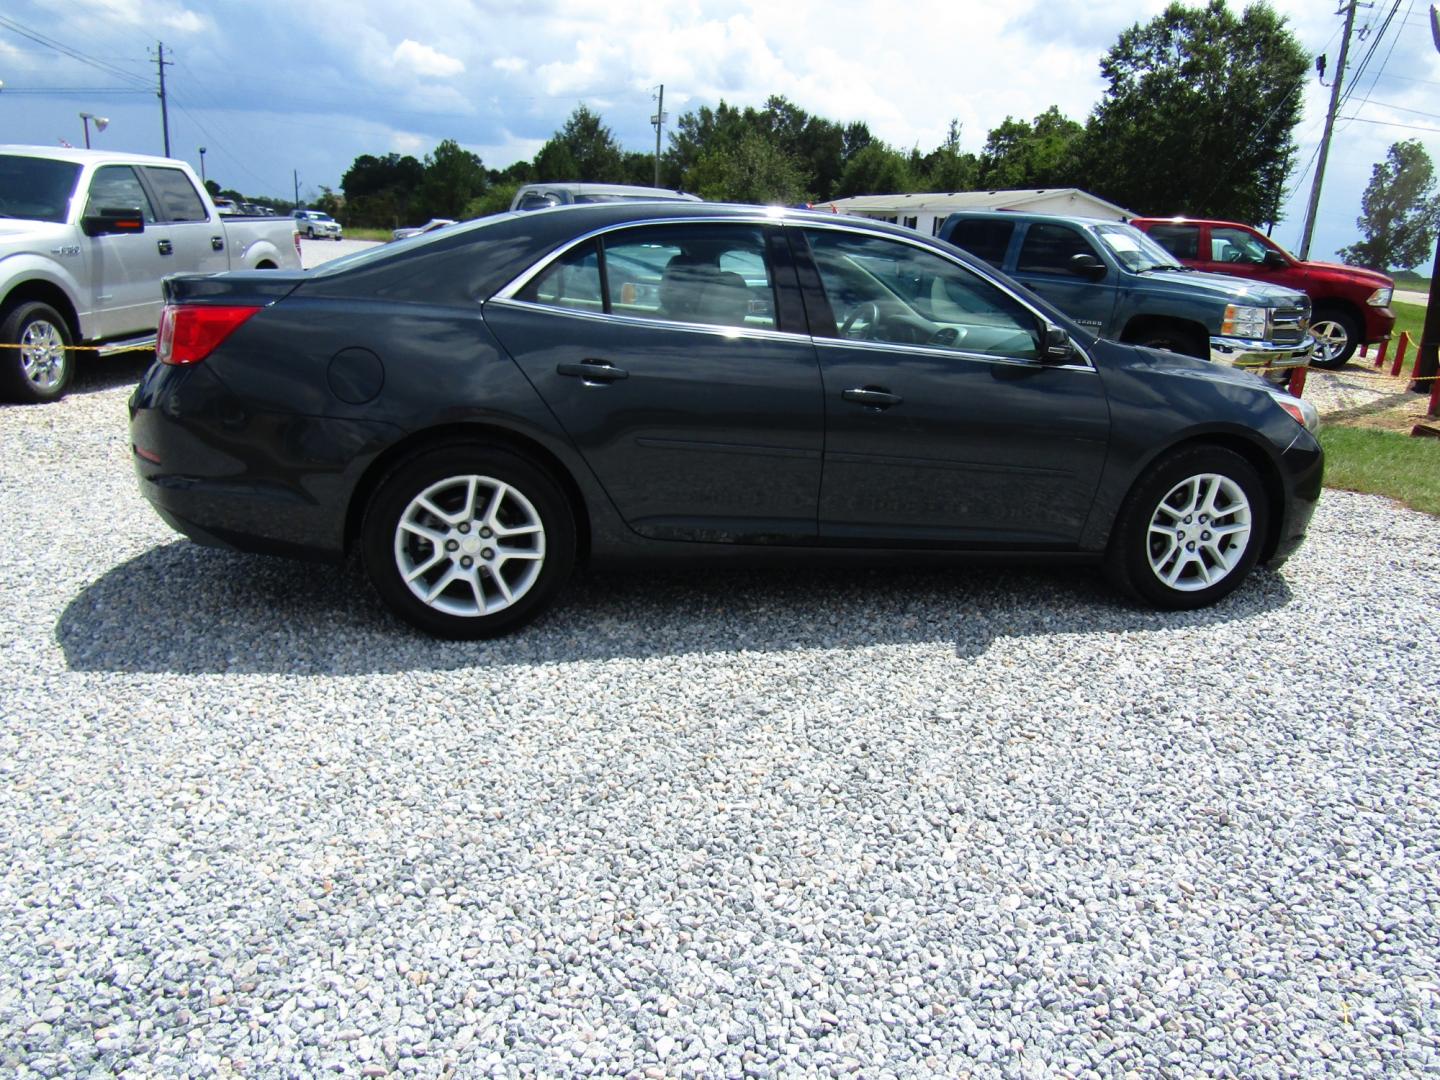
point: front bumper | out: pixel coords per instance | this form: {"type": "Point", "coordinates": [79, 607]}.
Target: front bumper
{"type": "Point", "coordinates": [1379, 322]}
{"type": "Point", "coordinates": [1303, 468]}
{"type": "Point", "coordinates": [1256, 354]}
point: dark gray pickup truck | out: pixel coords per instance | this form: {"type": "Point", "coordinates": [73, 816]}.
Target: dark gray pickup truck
{"type": "Point", "coordinates": [1117, 282]}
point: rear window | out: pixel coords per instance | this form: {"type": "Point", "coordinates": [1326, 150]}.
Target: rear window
{"type": "Point", "coordinates": [1049, 248]}
{"type": "Point", "coordinates": [1182, 241]}
{"type": "Point", "coordinates": [179, 200]}
{"type": "Point", "coordinates": [36, 189]}
{"type": "Point", "coordinates": [986, 240]}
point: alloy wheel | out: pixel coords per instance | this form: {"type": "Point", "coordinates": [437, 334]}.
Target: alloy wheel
{"type": "Point", "coordinates": [1331, 339]}
{"type": "Point", "coordinates": [469, 545]}
{"type": "Point", "coordinates": [1199, 532]}
{"type": "Point", "coordinates": [42, 354]}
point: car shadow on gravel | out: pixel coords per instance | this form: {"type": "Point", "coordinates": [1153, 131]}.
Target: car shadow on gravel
{"type": "Point", "coordinates": [96, 373]}
{"type": "Point", "coordinates": [183, 608]}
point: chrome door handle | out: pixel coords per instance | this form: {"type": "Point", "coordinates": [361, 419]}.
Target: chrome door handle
{"type": "Point", "coordinates": [217, 243]}
{"type": "Point", "coordinates": [164, 247]}
{"type": "Point", "coordinates": [872, 396]}
{"type": "Point", "coordinates": [593, 371]}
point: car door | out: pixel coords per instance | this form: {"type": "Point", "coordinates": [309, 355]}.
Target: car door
{"type": "Point", "coordinates": [692, 394]}
{"type": "Point", "coordinates": [1044, 264]}
{"type": "Point", "coordinates": [126, 268]}
{"type": "Point", "coordinates": [943, 428]}
{"type": "Point", "coordinates": [198, 243]}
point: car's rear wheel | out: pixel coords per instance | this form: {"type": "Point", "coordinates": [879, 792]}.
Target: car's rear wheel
{"type": "Point", "coordinates": [38, 365]}
{"type": "Point", "coordinates": [1337, 336]}
{"type": "Point", "coordinates": [468, 541]}
{"type": "Point", "coordinates": [1191, 529]}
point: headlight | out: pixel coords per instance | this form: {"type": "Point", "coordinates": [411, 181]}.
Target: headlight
{"type": "Point", "coordinates": [1299, 409]}
{"type": "Point", "coordinates": [1380, 298]}
{"type": "Point", "coordinates": [1243, 322]}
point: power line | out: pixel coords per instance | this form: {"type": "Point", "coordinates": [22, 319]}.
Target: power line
{"type": "Point", "coordinates": [1391, 123]}
{"type": "Point", "coordinates": [1388, 55]}
{"type": "Point", "coordinates": [74, 54]}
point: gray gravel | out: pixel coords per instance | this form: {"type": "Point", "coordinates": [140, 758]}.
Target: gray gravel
{"type": "Point", "coordinates": [880, 823]}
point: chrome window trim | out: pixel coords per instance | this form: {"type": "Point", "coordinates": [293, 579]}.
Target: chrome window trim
{"type": "Point", "coordinates": [935, 350]}
{"type": "Point", "coordinates": [715, 329]}
{"type": "Point", "coordinates": [507, 292]}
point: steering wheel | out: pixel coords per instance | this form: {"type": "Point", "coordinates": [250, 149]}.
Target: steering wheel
{"type": "Point", "coordinates": [870, 310]}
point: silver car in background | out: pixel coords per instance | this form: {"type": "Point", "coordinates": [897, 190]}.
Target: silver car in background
{"type": "Point", "coordinates": [544, 196]}
{"type": "Point", "coordinates": [313, 224]}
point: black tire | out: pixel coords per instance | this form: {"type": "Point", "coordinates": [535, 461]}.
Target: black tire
{"type": "Point", "coordinates": [1342, 337]}
{"type": "Point", "coordinates": [310, 233]}
{"type": "Point", "coordinates": [1131, 561]}
{"type": "Point", "coordinates": [49, 374]}
{"type": "Point", "coordinates": [488, 577]}
{"type": "Point", "coordinates": [1176, 339]}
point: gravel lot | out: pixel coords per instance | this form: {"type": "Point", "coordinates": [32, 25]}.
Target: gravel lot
{"type": "Point", "coordinates": [886, 823]}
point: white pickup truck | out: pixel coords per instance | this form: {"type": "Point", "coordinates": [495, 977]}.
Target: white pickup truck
{"type": "Point", "coordinates": [86, 236]}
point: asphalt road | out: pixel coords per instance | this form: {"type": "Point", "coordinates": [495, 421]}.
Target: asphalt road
{"type": "Point", "coordinates": [315, 252]}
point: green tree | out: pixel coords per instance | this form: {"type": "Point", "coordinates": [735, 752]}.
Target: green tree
{"type": "Point", "coordinates": [453, 176]}
{"type": "Point", "coordinates": [1399, 212]}
{"type": "Point", "coordinates": [1032, 155]}
{"type": "Point", "coordinates": [1199, 114]}
{"type": "Point", "coordinates": [753, 170]}
{"type": "Point", "coordinates": [875, 170]}
{"type": "Point", "coordinates": [583, 149]}
{"type": "Point", "coordinates": [496, 200]}
{"type": "Point", "coordinates": [378, 190]}
{"type": "Point", "coordinates": [947, 167]}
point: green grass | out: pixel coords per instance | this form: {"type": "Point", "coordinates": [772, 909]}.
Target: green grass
{"type": "Point", "coordinates": [358, 233]}
{"type": "Point", "coordinates": [1408, 279]}
{"type": "Point", "coordinates": [1383, 463]}
{"type": "Point", "coordinates": [1408, 317]}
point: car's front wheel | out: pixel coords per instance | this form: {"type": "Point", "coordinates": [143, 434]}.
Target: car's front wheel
{"type": "Point", "coordinates": [468, 541]}
{"type": "Point", "coordinates": [1191, 529]}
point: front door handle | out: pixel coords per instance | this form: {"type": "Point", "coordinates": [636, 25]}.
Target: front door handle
{"type": "Point", "coordinates": [873, 396]}
{"type": "Point", "coordinates": [593, 371]}
{"type": "Point", "coordinates": [217, 243]}
{"type": "Point", "coordinates": [164, 247]}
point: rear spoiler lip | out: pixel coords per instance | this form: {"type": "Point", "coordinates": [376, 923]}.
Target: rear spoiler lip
{"type": "Point", "coordinates": [259, 287]}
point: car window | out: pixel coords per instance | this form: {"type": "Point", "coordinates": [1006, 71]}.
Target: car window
{"type": "Point", "coordinates": [35, 188]}
{"type": "Point", "coordinates": [1048, 249]}
{"type": "Point", "coordinates": [572, 281]}
{"type": "Point", "coordinates": [1229, 245]}
{"type": "Point", "coordinates": [179, 201]}
{"type": "Point", "coordinates": [714, 274]}
{"type": "Point", "coordinates": [534, 200]}
{"type": "Point", "coordinates": [1182, 241]}
{"type": "Point", "coordinates": [886, 290]}
{"type": "Point", "coordinates": [116, 187]}
{"type": "Point", "coordinates": [986, 240]}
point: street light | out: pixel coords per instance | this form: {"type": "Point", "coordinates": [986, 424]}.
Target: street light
{"type": "Point", "coordinates": [101, 123]}
{"type": "Point", "coordinates": [202, 166]}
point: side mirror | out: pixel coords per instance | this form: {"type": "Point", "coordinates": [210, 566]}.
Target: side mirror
{"type": "Point", "coordinates": [1274, 259]}
{"type": "Point", "coordinates": [1087, 266]}
{"type": "Point", "coordinates": [1057, 348]}
{"type": "Point", "coordinates": [110, 219]}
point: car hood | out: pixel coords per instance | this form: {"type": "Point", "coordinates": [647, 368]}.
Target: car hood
{"type": "Point", "coordinates": [1164, 362]}
{"type": "Point", "coordinates": [1357, 274]}
{"type": "Point", "coordinates": [1235, 290]}
{"type": "Point", "coordinates": [17, 235]}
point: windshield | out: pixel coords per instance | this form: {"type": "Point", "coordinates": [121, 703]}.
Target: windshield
{"type": "Point", "coordinates": [36, 189]}
{"type": "Point", "coordinates": [1136, 251]}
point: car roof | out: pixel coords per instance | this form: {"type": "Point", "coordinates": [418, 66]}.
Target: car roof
{"type": "Point", "coordinates": [582, 188]}
{"type": "Point", "coordinates": [82, 156]}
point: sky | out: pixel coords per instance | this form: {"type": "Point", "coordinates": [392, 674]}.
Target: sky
{"type": "Point", "coordinates": [274, 90]}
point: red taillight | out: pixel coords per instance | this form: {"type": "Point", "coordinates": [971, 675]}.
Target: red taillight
{"type": "Point", "coordinates": [191, 332]}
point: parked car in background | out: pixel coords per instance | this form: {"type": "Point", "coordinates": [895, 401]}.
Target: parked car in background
{"type": "Point", "coordinates": [226, 206]}
{"type": "Point", "coordinates": [85, 238]}
{"type": "Point", "coordinates": [416, 230]}
{"type": "Point", "coordinates": [475, 410]}
{"type": "Point", "coordinates": [1120, 284]}
{"type": "Point", "coordinates": [315, 224]}
{"type": "Point", "coordinates": [1350, 306]}
{"type": "Point", "coordinates": [544, 196]}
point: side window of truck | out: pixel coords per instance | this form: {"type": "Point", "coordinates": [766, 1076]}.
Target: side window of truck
{"type": "Point", "coordinates": [1235, 246]}
{"type": "Point", "coordinates": [1048, 249]}
{"type": "Point", "coordinates": [178, 198]}
{"type": "Point", "coordinates": [116, 187]}
{"type": "Point", "coordinates": [1182, 241]}
{"type": "Point", "coordinates": [986, 240]}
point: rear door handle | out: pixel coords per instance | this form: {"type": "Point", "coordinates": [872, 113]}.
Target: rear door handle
{"type": "Point", "coordinates": [872, 396]}
{"type": "Point", "coordinates": [593, 371]}
{"type": "Point", "coordinates": [164, 247]}
{"type": "Point", "coordinates": [217, 243]}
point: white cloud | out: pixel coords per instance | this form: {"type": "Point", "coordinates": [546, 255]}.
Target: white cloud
{"type": "Point", "coordinates": [510, 65]}
{"type": "Point", "coordinates": [406, 142]}
{"type": "Point", "coordinates": [426, 61]}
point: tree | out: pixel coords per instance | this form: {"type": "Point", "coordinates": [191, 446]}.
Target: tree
{"type": "Point", "coordinates": [378, 190]}
{"type": "Point", "coordinates": [754, 170]}
{"type": "Point", "coordinates": [586, 147]}
{"type": "Point", "coordinates": [1039, 155]}
{"type": "Point", "coordinates": [1199, 115]}
{"type": "Point", "coordinates": [947, 168]}
{"type": "Point", "coordinates": [453, 176]}
{"type": "Point", "coordinates": [875, 170]}
{"type": "Point", "coordinates": [496, 200]}
{"type": "Point", "coordinates": [1400, 211]}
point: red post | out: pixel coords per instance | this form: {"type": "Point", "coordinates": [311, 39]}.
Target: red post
{"type": "Point", "coordinates": [1364, 350]}
{"type": "Point", "coordinates": [1380, 353]}
{"type": "Point", "coordinates": [1434, 409]}
{"type": "Point", "coordinates": [1297, 381]}
{"type": "Point", "coordinates": [1400, 355]}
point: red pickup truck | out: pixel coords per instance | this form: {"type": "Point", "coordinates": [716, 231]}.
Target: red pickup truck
{"type": "Point", "coordinates": [1351, 306]}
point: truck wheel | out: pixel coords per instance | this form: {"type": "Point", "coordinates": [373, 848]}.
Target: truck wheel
{"type": "Point", "coordinates": [1175, 339]}
{"type": "Point", "coordinates": [1337, 335]}
{"type": "Point", "coordinates": [41, 364]}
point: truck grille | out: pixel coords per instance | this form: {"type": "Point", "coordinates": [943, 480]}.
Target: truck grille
{"type": "Point", "coordinates": [1289, 325]}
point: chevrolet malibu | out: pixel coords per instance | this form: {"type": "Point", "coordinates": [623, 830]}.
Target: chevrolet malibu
{"type": "Point", "coordinates": [475, 411]}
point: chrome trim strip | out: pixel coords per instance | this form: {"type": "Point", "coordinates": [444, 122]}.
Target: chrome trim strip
{"type": "Point", "coordinates": [716, 329]}
{"type": "Point", "coordinates": [935, 350]}
{"type": "Point", "coordinates": [508, 291]}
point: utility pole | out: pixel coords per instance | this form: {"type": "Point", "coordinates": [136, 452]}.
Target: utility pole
{"type": "Point", "coordinates": [659, 121]}
{"type": "Point", "coordinates": [296, 174]}
{"type": "Point", "coordinates": [161, 64]}
{"type": "Point", "coordinates": [1329, 127]}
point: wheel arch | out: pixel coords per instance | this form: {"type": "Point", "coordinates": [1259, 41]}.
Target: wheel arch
{"type": "Point", "coordinates": [472, 432]}
{"type": "Point", "coordinates": [1140, 324]}
{"type": "Point", "coordinates": [44, 292]}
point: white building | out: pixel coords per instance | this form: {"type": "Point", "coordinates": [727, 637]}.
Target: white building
{"type": "Point", "coordinates": [925, 211]}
